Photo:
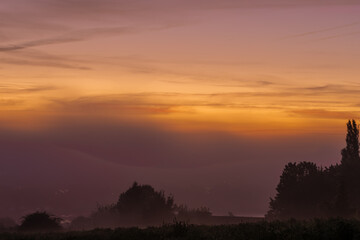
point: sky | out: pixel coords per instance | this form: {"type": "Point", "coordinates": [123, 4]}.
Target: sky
{"type": "Point", "coordinates": [204, 99]}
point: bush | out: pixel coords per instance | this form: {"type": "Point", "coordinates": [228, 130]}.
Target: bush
{"type": "Point", "coordinates": [40, 221]}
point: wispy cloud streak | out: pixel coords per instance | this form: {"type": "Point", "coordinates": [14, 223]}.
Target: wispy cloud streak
{"type": "Point", "coordinates": [42, 63]}
{"type": "Point", "coordinates": [323, 30]}
{"type": "Point", "coordinates": [30, 88]}
{"type": "Point", "coordinates": [66, 38]}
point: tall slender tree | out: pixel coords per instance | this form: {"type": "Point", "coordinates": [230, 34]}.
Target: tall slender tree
{"type": "Point", "coordinates": [350, 154]}
{"type": "Point", "coordinates": [350, 166]}
{"type": "Point", "coordinates": [306, 191]}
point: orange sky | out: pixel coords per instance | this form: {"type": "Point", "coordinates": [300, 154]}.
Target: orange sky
{"type": "Point", "coordinates": [205, 99]}
{"type": "Point", "coordinates": [228, 67]}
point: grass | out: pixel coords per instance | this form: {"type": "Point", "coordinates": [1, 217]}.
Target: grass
{"type": "Point", "coordinates": [287, 230]}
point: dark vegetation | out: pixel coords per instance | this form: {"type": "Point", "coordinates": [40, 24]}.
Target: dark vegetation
{"type": "Point", "coordinates": [308, 191]}
{"type": "Point", "coordinates": [140, 205]}
{"type": "Point", "coordinates": [285, 230]}
{"type": "Point", "coordinates": [324, 200]}
{"type": "Point", "coordinates": [40, 221]}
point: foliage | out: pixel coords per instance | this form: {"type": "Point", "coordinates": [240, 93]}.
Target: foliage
{"type": "Point", "coordinates": [40, 221]}
{"type": "Point", "coordinates": [304, 191]}
{"type": "Point", "coordinates": [331, 229]}
{"type": "Point", "coordinates": [142, 204]}
{"type": "Point", "coordinates": [307, 191]}
{"type": "Point", "coordinates": [350, 154]}
{"type": "Point", "coordinates": [350, 166]}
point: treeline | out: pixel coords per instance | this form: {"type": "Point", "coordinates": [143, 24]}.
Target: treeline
{"type": "Point", "coordinates": [140, 205]}
{"type": "Point", "coordinates": [307, 191]}
{"type": "Point", "coordinates": [329, 229]}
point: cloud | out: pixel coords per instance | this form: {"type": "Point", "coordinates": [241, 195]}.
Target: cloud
{"type": "Point", "coordinates": [43, 63]}
{"type": "Point", "coordinates": [140, 103]}
{"type": "Point", "coordinates": [37, 58]}
{"type": "Point", "coordinates": [340, 35]}
{"type": "Point", "coordinates": [74, 36]}
{"type": "Point", "coordinates": [11, 102]}
{"type": "Point", "coordinates": [33, 57]}
{"type": "Point", "coordinates": [326, 114]}
{"type": "Point", "coordinates": [329, 29]}
{"type": "Point", "coordinates": [152, 103]}
{"type": "Point", "coordinates": [31, 88]}
{"type": "Point", "coordinates": [78, 7]}
{"type": "Point", "coordinates": [59, 13]}
{"type": "Point", "coordinates": [329, 89]}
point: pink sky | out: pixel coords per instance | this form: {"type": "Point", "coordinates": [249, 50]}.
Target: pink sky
{"type": "Point", "coordinates": [206, 100]}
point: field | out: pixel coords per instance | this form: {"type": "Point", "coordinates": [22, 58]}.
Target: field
{"type": "Point", "coordinates": [296, 230]}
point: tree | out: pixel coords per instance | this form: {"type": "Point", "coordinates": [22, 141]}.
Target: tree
{"type": "Point", "coordinates": [306, 191]}
{"type": "Point", "coordinates": [350, 166]}
{"type": "Point", "coordinates": [350, 154]}
{"type": "Point", "coordinates": [303, 192]}
{"type": "Point", "coordinates": [289, 200]}
{"type": "Point", "coordinates": [40, 221]}
{"type": "Point", "coordinates": [141, 204]}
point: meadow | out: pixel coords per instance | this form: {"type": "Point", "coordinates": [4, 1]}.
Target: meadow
{"type": "Point", "coordinates": [293, 229]}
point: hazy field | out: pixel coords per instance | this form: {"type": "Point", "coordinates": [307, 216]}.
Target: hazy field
{"type": "Point", "coordinates": [315, 229]}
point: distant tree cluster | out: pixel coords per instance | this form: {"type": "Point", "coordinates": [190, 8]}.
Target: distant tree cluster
{"type": "Point", "coordinates": [143, 202]}
{"type": "Point", "coordinates": [40, 221]}
{"type": "Point", "coordinates": [307, 191]}
{"type": "Point", "coordinates": [140, 205]}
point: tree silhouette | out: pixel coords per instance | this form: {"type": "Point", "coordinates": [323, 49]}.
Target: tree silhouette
{"type": "Point", "coordinates": [350, 154]}
{"type": "Point", "coordinates": [40, 221]}
{"type": "Point", "coordinates": [293, 191]}
{"type": "Point", "coordinates": [350, 166]}
{"type": "Point", "coordinates": [307, 191]}
{"type": "Point", "coordinates": [142, 204]}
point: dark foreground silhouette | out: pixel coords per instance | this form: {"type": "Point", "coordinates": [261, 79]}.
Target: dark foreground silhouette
{"type": "Point", "coordinates": [140, 205]}
{"type": "Point", "coordinates": [305, 191]}
{"type": "Point", "coordinates": [308, 191]}
{"type": "Point", "coordinates": [300, 230]}
{"type": "Point", "coordinates": [40, 221]}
